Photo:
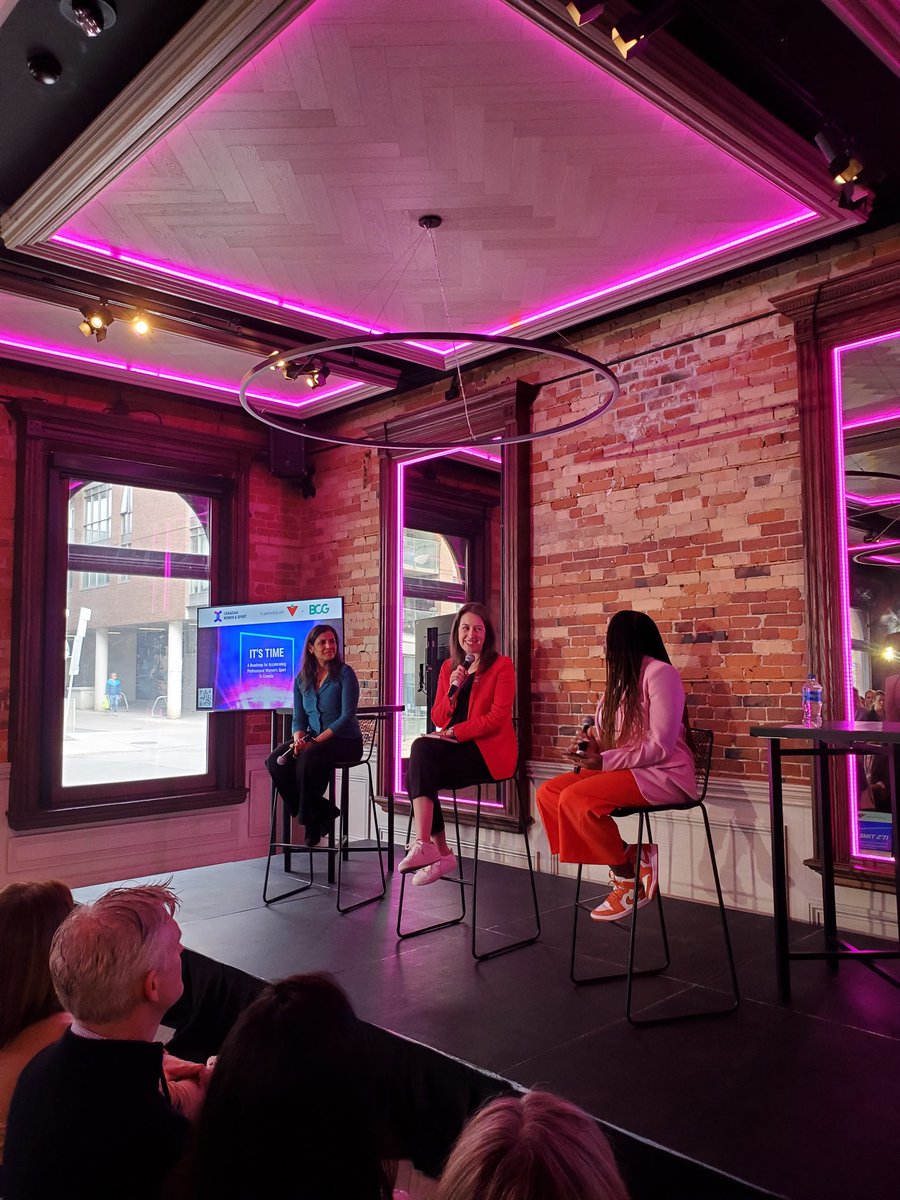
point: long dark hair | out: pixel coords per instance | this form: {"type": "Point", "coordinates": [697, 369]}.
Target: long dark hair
{"type": "Point", "coordinates": [290, 1108]}
{"type": "Point", "coordinates": [630, 638]}
{"type": "Point", "coordinates": [489, 649]}
{"type": "Point", "coordinates": [309, 668]}
{"type": "Point", "coordinates": [30, 914]}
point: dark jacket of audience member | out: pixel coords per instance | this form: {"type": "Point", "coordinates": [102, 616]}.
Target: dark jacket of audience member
{"type": "Point", "coordinates": [289, 1111]}
{"type": "Point", "coordinates": [90, 1118]}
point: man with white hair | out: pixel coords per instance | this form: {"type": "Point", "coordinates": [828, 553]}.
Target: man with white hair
{"type": "Point", "coordinates": [91, 1117]}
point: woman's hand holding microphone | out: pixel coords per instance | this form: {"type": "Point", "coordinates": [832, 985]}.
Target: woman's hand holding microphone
{"type": "Point", "coordinates": [586, 749]}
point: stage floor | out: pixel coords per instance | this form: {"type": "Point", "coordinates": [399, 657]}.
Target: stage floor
{"type": "Point", "coordinates": [797, 1102]}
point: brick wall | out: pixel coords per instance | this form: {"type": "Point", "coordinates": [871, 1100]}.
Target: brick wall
{"type": "Point", "coordinates": [684, 501]}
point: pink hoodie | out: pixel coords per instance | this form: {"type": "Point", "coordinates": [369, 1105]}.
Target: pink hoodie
{"type": "Point", "coordinates": [660, 758]}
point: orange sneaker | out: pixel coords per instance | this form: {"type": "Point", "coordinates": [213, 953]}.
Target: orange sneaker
{"type": "Point", "coordinates": [619, 902]}
{"type": "Point", "coordinates": [649, 867]}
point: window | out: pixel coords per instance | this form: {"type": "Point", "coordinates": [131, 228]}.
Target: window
{"type": "Point", "coordinates": [98, 512]}
{"type": "Point", "coordinates": [198, 589]}
{"type": "Point", "coordinates": [119, 730]}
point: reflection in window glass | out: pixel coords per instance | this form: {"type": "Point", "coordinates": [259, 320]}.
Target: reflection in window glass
{"type": "Point", "coordinates": [434, 584]}
{"type": "Point", "coordinates": [138, 567]}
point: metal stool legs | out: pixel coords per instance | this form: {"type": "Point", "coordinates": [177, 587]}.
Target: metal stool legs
{"type": "Point", "coordinates": [343, 847]}
{"type": "Point", "coordinates": [457, 879]}
{"type": "Point", "coordinates": [288, 847]}
{"type": "Point", "coordinates": [463, 883]}
{"type": "Point", "coordinates": [526, 941]}
{"type": "Point", "coordinates": [630, 973]}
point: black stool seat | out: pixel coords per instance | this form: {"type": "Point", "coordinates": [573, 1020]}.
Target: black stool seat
{"type": "Point", "coordinates": [339, 850]}
{"type": "Point", "coordinates": [702, 746]}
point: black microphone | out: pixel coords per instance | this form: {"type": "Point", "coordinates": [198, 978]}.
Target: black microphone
{"type": "Point", "coordinates": [289, 753]}
{"type": "Point", "coordinates": [454, 688]}
{"type": "Point", "coordinates": [586, 724]}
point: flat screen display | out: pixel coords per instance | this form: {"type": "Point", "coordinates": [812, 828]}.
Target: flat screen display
{"type": "Point", "coordinates": [248, 654]}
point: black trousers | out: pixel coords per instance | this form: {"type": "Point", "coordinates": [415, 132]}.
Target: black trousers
{"type": "Point", "coordinates": [436, 763]}
{"type": "Point", "coordinates": [303, 781]}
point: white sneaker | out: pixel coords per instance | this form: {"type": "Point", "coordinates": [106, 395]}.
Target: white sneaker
{"type": "Point", "coordinates": [421, 854]}
{"type": "Point", "coordinates": [445, 865]}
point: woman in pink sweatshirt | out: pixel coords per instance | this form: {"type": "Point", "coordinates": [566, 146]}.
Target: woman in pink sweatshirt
{"type": "Point", "coordinates": [638, 755]}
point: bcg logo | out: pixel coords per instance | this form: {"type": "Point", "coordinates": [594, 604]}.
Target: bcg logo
{"type": "Point", "coordinates": [316, 609]}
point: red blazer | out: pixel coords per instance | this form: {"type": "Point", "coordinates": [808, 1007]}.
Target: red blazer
{"type": "Point", "coordinates": [489, 723]}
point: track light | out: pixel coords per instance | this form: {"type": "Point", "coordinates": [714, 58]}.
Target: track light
{"type": "Point", "coordinates": [631, 34]}
{"type": "Point", "coordinates": [843, 165]}
{"type": "Point", "coordinates": [140, 324]}
{"type": "Point", "coordinates": [583, 13]}
{"type": "Point", "coordinates": [314, 371]}
{"type": "Point", "coordinates": [97, 320]}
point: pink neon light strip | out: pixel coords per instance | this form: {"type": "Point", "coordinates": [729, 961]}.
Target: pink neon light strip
{"type": "Point", "coordinates": [890, 545]}
{"type": "Point", "coordinates": [529, 319]}
{"type": "Point", "coordinates": [58, 352]}
{"type": "Point", "coordinates": [874, 501]}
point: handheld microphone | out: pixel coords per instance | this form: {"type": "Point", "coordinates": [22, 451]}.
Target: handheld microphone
{"type": "Point", "coordinates": [289, 753]}
{"type": "Point", "coordinates": [467, 662]}
{"type": "Point", "coordinates": [586, 724]}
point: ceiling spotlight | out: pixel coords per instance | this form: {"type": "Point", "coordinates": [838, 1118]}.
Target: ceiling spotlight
{"type": "Point", "coordinates": [843, 165]}
{"type": "Point", "coordinates": [316, 373]}
{"type": "Point", "coordinates": [631, 34]}
{"type": "Point", "coordinates": [856, 198]}
{"type": "Point", "coordinates": [44, 68]}
{"type": "Point", "coordinates": [91, 16]}
{"type": "Point", "coordinates": [140, 324]}
{"type": "Point", "coordinates": [583, 13]}
{"type": "Point", "coordinates": [97, 320]}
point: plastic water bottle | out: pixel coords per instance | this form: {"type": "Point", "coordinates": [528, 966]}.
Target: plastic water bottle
{"type": "Point", "coordinates": [812, 702]}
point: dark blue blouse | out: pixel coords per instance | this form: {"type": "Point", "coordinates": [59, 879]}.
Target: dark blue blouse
{"type": "Point", "coordinates": [332, 707]}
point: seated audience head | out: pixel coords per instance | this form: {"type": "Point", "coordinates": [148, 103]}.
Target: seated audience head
{"type": "Point", "coordinates": [473, 633]}
{"type": "Point", "coordinates": [534, 1147]}
{"type": "Point", "coordinates": [290, 1107]}
{"type": "Point", "coordinates": [878, 704]}
{"type": "Point", "coordinates": [30, 914]}
{"type": "Point", "coordinates": [118, 961]}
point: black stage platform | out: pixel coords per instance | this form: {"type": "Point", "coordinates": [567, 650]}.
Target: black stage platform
{"type": "Point", "coordinates": [798, 1102]}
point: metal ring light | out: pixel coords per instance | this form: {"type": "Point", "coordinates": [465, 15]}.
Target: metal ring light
{"type": "Point", "coordinates": [320, 349]}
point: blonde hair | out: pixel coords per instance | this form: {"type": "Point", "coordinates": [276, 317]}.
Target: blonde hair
{"type": "Point", "coordinates": [30, 914]}
{"type": "Point", "coordinates": [103, 951]}
{"type": "Point", "coordinates": [537, 1147]}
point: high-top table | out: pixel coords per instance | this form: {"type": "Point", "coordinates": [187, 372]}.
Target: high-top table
{"type": "Point", "coordinates": [829, 740]}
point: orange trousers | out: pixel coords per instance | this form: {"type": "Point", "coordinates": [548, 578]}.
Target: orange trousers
{"type": "Point", "coordinates": [575, 809]}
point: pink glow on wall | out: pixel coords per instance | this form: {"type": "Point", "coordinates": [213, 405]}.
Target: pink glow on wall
{"type": "Point", "coordinates": [144, 373]}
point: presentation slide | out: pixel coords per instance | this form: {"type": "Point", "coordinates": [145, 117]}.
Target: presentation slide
{"type": "Point", "coordinates": [248, 654]}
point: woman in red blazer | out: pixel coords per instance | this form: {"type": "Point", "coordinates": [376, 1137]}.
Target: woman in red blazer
{"type": "Point", "coordinates": [474, 741]}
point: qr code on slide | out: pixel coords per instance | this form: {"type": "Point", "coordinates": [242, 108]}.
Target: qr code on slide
{"type": "Point", "coordinates": [204, 697]}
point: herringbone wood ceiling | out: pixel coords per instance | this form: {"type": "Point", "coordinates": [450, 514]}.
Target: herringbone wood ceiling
{"type": "Point", "coordinates": [303, 177]}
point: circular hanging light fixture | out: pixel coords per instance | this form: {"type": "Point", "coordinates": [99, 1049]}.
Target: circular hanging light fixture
{"type": "Point", "coordinates": [321, 349]}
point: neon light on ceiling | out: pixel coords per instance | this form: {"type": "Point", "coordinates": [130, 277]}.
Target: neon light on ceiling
{"type": "Point", "coordinates": [59, 352]}
{"type": "Point", "coordinates": [874, 501]}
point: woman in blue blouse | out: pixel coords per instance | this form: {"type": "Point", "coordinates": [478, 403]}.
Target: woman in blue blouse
{"type": "Point", "coordinates": [325, 732]}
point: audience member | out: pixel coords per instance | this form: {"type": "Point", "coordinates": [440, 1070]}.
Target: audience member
{"type": "Point", "coordinates": [90, 1117]}
{"type": "Point", "coordinates": [290, 1110]}
{"type": "Point", "coordinates": [534, 1147]}
{"type": "Point", "coordinates": [31, 1015]}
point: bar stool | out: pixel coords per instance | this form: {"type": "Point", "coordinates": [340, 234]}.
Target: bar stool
{"type": "Point", "coordinates": [463, 883]}
{"type": "Point", "coordinates": [702, 747]}
{"type": "Point", "coordinates": [341, 849]}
